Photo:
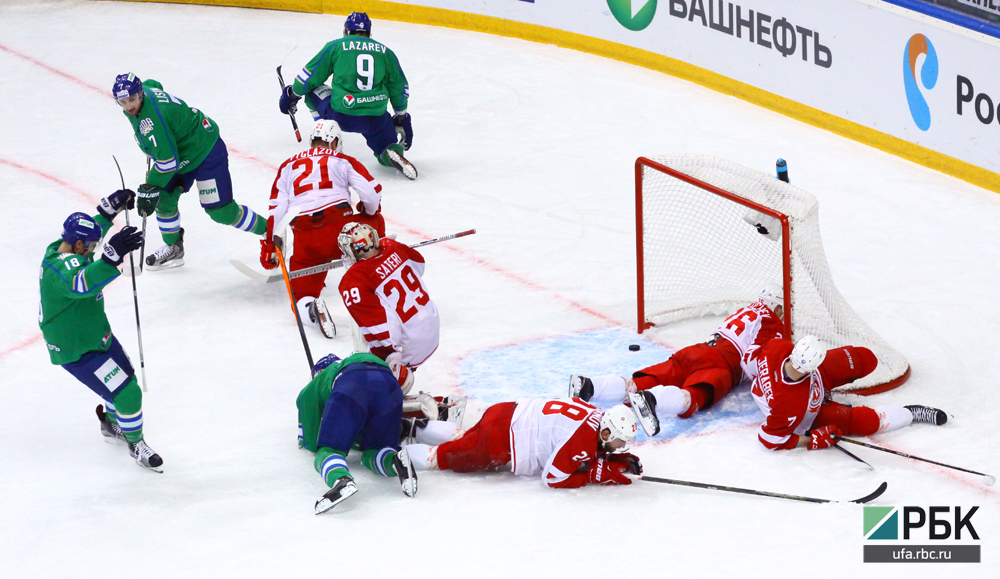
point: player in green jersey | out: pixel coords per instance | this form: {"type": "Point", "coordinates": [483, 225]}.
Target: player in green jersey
{"type": "Point", "coordinates": [185, 147]}
{"type": "Point", "coordinates": [349, 403]}
{"type": "Point", "coordinates": [366, 78]}
{"type": "Point", "coordinates": [75, 328]}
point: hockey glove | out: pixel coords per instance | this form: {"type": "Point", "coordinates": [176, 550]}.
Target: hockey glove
{"type": "Point", "coordinates": [605, 472]}
{"type": "Point", "coordinates": [823, 437]}
{"type": "Point", "coordinates": [631, 462]}
{"type": "Point", "coordinates": [148, 199]}
{"type": "Point", "coordinates": [288, 100]}
{"type": "Point", "coordinates": [361, 209]}
{"type": "Point", "coordinates": [268, 259]}
{"type": "Point", "coordinates": [114, 203]}
{"type": "Point", "coordinates": [126, 240]}
{"type": "Point", "coordinates": [404, 129]}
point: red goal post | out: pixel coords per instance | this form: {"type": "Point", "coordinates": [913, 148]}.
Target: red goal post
{"type": "Point", "coordinates": [710, 234]}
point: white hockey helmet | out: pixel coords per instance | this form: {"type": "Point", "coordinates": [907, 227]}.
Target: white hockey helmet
{"type": "Point", "coordinates": [620, 421]}
{"type": "Point", "coordinates": [328, 131]}
{"type": "Point", "coordinates": [808, 353]}
{"type": "Point", "coordinates": [773, 295]}
{"type": "Point", "coordinates": [358, 241]}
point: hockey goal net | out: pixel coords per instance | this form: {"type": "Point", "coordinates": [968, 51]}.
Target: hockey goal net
{"type": "Point", "coordinates": [710, 234]}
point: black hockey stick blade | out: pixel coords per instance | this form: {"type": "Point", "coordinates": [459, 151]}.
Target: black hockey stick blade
{"type": "Point", "coordinates": [878, 492]}
{"type": "Point", "coordinates": [988, 479]}
{"type": "Point", "coordinates": [854, 456]}
{"type": "Point", "coordinates": [291, 115]}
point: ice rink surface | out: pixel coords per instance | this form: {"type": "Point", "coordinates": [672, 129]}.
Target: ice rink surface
{"type": "Point", "coordinates": [534, 147]}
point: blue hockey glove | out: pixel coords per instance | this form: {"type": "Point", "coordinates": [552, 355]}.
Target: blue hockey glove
{"type": "Point", "coordinates": [404, 129]}
{"type": "Point", "coordinates": [126, 240]}
{"type": "Point", "coordinates": [286, 104]}
{"type": "Point", "coordinates": [149, 198]}
{"type": "Point", "coordinates": [114, 203]}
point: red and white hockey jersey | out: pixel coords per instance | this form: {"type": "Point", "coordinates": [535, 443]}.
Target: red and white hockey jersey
{"type": "Point", "coordinates": [319, 178]}
{"type": "Point", "coordinates": [750, 328]}
{"type": "Point", "coordinates": [386, 297]}
{"type": "Point", "coordinates": [557, 437]}
{"type": "Point", "coordinates": [789, 407]}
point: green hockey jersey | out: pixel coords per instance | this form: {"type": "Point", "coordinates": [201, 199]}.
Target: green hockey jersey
{"type": "Point", "coordinates": [366, 77]}
{"type": "Point", "coordinates": [312, 399]}
{"type": "Point", "coordinates": [71, 311]}
{"type": "Point", "coordinates": [175, 136]}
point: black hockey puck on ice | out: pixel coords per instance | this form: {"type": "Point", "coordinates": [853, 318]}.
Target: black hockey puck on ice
{"type": "Point", "coordinates": [633, 348]}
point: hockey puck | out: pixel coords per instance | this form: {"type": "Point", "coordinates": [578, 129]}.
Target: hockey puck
{"type": "Point", "coordinates": [633, 348]}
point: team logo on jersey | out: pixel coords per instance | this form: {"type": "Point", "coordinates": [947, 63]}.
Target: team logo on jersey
{"type": "Point", "coordinates": [349, 100]}
{"type": "Point", "coordinates": [633, 14]}
{"type": "Point", "coordinates": [206, 125]}
{"type": "Point", "coordinates": [919, 44]}
{"type": "Point", "coordinates": [145, 126]}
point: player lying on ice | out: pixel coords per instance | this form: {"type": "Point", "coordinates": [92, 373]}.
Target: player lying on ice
{"type": "Point", "coordinates": [356, 401]}
{"type": "Point", "coordinates": [695, 377]}
{"type": "Point", "coordinates": [568, 441]}
{"type": "Point", "coordinates": [792, 384]}
{"type": "Point", "coordinates": [318, 182]}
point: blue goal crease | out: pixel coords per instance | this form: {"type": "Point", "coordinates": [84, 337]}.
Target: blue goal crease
{"type": "Point", "coordinates": [541, 368]}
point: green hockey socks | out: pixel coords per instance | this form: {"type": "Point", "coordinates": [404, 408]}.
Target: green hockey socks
{"type": "Point", "coordinates": [379, 461]}
{"type": "Point", "coordinates": [239, 216]}
{"type": "Point", "coordinates": [331, 464]}
{"type": "Point", "coordinates": [125, 410]}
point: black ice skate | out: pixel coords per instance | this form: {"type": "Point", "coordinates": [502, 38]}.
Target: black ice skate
{"type": "Point", "coordinates": [145, 457]}
{"type": "Point", "coordinates": [452, 409]}
{"type": "Point", "coordinates": [167, 256]}
{"type": "Point", "coordinates": [110, 430]}
{"type": "Point", "coordinates": [927, 415]}
{"type": "Point", "coordinates": [644, 406]}
{"type": "Point", "coordinates": [405, 167]}
{"type": "Point", "coordinates": [581, 387]}
{"type": "Point", "coordinates": [342, 489]}
{"type": "Point", "coordinates": [408, 431]}
{"type": "Point", "coordinates": [407, 474]}
{"type": "Point", "coordinates": [319, 314]}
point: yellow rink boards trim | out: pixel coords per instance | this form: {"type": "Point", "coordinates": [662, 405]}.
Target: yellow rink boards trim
{"type": "Point", "coordinates": [381, 10]}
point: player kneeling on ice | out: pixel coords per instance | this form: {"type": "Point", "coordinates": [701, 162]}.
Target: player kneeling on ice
{"type": "Point", "coordinates": [76, 329]}
{"type": "Point", "coordinates": [384, 292]}
{"type": "Point", "coordinates": [792, 384]}
{"type": "Point", "coordinates": [695, 377]}
{"type": "Point", "coordinates": [568, 441]}
{"type": "Point", "coordinates": [317, 182]}
{"type": "Point", "coordinates": [356, 400]}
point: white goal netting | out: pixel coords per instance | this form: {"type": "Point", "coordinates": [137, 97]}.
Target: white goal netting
{"type": "Point", "coordinates": [701, 253]}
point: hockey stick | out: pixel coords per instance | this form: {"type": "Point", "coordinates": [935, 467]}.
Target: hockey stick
{"type": "Point", "coordinates": [135, 293]}
{"type": "Point", "coordinates": [988, 479]}
{"type": "Point", "coordinates": [854, 456]}
{"type": "Point", "coordinates": [278, 243]}
{"type": "Point", "coordinates": [142, 250]}
{"type": "Point", "coordinates": [867, 498]}
{"type": "Point", "coordinates": [271, 278]}
{"type": "Point", "coordinates": [291, 111]}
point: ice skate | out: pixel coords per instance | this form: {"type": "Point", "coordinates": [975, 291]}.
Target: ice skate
{"type": "Point", "coordinates": [581, 387]}
{"type": "Point", "coordinates": [452, 409]}
{"type": "Point", "coordinates": [644, 406]}
{"type": "Point", "coordinates": [927, 415]}
{"type": "Point", "coordinates": [110, 430]}
{"type": "Point", "coordinates": [405, 167]}
{"type": "Point", "coordinates": [145, 457]}
{"type": "Point", "coordinates": [342, 489]}
{"type": "Point", "coordinates": [319, 314]}
{"type": "Point", "coordinates": [407, 474]}
{"type": "Point", "coordinates": [168, 256]}
{"type": "Point", "coordinates": [408, 431]}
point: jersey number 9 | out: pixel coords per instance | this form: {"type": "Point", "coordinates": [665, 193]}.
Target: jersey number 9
{"type": "Point", "coordinates": [366, 71]}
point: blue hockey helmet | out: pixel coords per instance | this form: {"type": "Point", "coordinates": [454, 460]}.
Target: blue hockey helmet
{"type": "Point", "coordinates": [324, 362]}
{"type": "Point", "coordinates": [80, 227]}
{"type": "Point", "coordinates": [357, 22]}
{"type": "Point", "coordinates": [126, 85]}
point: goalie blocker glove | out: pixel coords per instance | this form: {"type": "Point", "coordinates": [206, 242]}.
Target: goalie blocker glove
{"type": "Point", "coordinates": [126, 240]}
{"type": "Point", "coordinates": [114, 203]}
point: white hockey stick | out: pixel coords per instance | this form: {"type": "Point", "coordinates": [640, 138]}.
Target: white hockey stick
{"type": "Point", "coordinates": [272, 278]}
{"type": "Point", "coordinates": [279, 230]}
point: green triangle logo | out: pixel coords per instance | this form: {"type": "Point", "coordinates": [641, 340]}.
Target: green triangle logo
{"type": "Point", "coordinates": [881, 523]}
{"type": "Point", "coordinates": [633, 14]}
